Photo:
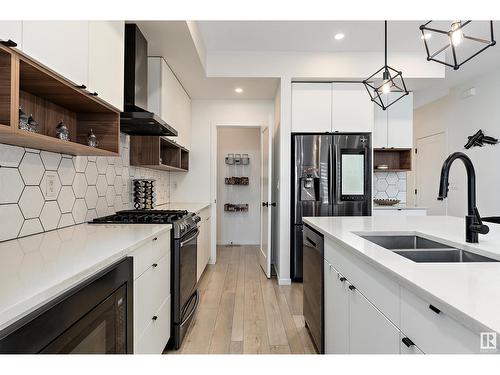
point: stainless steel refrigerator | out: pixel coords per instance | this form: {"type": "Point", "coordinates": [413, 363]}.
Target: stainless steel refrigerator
{"type": "Point", "coordinates": [331, 176]}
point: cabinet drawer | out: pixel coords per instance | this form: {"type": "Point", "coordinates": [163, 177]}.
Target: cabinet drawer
{"type": "Point", "coordinates": [157, 333]}
{"type": "Point", "coordinates": [434, 332]}
{"type": "Point", "coordinates": [150, 289]}
{"type": "Point", "coordinates": [150, 252]}
{"type": "Point", "coordinates": [375, 286]}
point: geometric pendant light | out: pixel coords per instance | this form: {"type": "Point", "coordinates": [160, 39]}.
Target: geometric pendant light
{"type": "Point", "coordinates": [390, 88]}
{"type": "Point", "coordinates": [453, 40]}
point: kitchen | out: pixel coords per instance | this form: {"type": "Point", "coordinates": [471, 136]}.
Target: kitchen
{"type": "Point", "coordinates": [248, 187]}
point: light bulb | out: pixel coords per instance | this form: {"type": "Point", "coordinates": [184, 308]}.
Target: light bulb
{"type": "Point", "coordinates": [386, 87]}
{"type": "Point", "coordinates": [457, 35]}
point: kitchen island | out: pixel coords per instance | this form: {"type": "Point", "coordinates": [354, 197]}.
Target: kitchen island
{"type": "Point", "coordinates": [377, 301]}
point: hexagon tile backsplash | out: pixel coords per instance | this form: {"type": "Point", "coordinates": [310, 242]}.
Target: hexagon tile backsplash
{"type": "Point", "coordinates": [41, 191]}
{"type": "Point", "coordinates": [389, 185]}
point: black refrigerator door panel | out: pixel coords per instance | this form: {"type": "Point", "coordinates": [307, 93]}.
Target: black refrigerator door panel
{"type": "Point", "coordinates": [297, 253]}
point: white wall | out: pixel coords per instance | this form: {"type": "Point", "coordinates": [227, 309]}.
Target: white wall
{"type": "Point", "coordinates": [461, 117]}
{"type": "Point", "coordinates": [239, 228]}
{"type": "Point", "coordinates": [195, 186]}
{"type": "Point", "coordinates": [275, 197]}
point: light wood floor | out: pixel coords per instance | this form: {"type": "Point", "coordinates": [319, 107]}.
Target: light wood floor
{"type": "Point", "coordinates": [241, 311]}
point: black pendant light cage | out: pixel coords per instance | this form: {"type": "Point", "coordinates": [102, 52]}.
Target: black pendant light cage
{"type": "Point", "coordinates": [432, 56]}
{"type": "Point", "coordinates": [391, 77]}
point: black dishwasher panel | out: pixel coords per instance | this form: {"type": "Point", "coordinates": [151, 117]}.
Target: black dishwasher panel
{"type": "Point", "coordinates": [313, 278]}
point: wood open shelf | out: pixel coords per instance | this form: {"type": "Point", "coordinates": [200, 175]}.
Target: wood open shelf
{"type": "Point", "coordinates": [158, 153]}
{"type": "Point", "coordinates": [398, 159]}
{"type": "Point", "coordinates": [51, 98]}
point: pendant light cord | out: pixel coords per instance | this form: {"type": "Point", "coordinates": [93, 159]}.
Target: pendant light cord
{"type": "Point", "coordinates": [385, 26]}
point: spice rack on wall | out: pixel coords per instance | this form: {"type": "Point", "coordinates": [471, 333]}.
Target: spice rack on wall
{"type": "Point", "coordinates": [233, 161]}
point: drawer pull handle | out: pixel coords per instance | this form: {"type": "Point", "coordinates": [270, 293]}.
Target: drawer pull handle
{"type": "Point", "coordinates": [352, 287]}
{"type": "Point", "coordinates": [155, 317]}
{"type": "Point", "coordinates": [155, 265]}
{"type": "Point", "coordinates": [435, 309]}
{"type": "Point", "coordinates": [155, 239]}
{"type": "Point", "coordinates": [407, 342]}
{"type": "Point", "coordinates": [342, 279]}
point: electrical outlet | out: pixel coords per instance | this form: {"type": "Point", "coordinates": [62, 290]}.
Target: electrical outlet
{"type": "Point", "coordinates": [50, 185]}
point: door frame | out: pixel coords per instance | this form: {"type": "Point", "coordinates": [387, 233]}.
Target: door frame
{"type": "Point", "coordinates": [416, 165]}
{"type": "Point", "coordinates": [214, 125]}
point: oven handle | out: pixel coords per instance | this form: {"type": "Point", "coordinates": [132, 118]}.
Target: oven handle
{"type": "Point", "coordinates": [197, 301]}
{"type": "Point", "coordinates": [191, 238]}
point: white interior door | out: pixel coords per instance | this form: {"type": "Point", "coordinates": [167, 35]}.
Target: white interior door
{"type": "Point", "coordinates": [266, 205]}
{"type": "Point", "coordinates": [431, 152]}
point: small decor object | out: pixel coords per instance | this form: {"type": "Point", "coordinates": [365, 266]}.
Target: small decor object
{"type": "Point", "coordinates": [386, 202]}
{"type": "Point", "coordinates": [382, 167]}
{"type": "Point", "coordinates": [237, 181]}
{"type": "Point", "coordinates": [245, 160]}
{"type": "Point", "coordinates": [392, 83]}
{"type": "Point", "coordinates": [62, 131]}
{"type": "Point", "coordinates": [230, 159]}
{"type": "Point", "coordinates": [144, 194]}
{"type": "Point", "coordinates": [92, 139]}
{"type": "Point", "coordinates": [479, 139]}
{"type": "Point", "coordinates": [455, 40]}
{"type": "Point", "coordinates": [230, 207]}
{"type": "Point", "coordinates": [237, 159]}
{"type": "Point", "coordinates": [23, 120]}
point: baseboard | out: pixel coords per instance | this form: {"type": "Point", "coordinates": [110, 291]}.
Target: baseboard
{"type": "Point", "coordinates": [284, 281]}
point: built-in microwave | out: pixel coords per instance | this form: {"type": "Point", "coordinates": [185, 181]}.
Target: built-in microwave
{"type": "Point", "coordinates": [95, 317]}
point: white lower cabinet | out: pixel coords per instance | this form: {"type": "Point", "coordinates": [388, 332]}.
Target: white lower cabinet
{"type": "Point", "coordinates": [336, 312]}
{"type": "Point", "coordinates": [352, 323]}
{"type": "Point", "coordinates": [370, 332]}
{"type": "Point", "coordinates": [152, 295]}
{"type": "Point", "coordinates": [204, 240]}
{"type": "Point", "coordinates": [362, 321]}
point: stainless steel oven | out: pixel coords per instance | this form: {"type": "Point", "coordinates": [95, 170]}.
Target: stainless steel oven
{"type": "Point", "coordinates": [95, 317]}
{"type": "Point", "coordinates": [185, 295]}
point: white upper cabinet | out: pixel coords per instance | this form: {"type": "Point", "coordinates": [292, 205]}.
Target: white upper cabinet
{"type": "Point", "coordinates": [352, 108]}
{"type": "Point", "coordinates": [106, 59]}
{"type": "Point", "coordinates": [12, 30]}
{"type": "Point", "coordinates": [394, 126]}
{"type": "Point", "coordinates": [62, 46]}
{"type": "Point", "coordinates": [331, 107]}
{"type": "Point", "coordinates": [168, 99]}
{"type": "Point", "coordinates": [312, 107]}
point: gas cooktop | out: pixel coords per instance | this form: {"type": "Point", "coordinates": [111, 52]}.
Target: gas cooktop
{"type": "Point", "coordinates": [182, 221]}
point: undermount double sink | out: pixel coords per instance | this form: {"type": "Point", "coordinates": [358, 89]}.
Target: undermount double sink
{"type": "Point", "coordinates": [423, 250]}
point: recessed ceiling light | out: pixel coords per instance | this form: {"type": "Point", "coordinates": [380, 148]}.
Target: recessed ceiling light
{"type": "Point", "coordinates": [238, 90]}
{"type": "Point", "coordinates": [339, 36]}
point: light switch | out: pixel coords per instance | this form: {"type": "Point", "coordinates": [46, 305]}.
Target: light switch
{"type": "Point", "coordinates": [50, 185]}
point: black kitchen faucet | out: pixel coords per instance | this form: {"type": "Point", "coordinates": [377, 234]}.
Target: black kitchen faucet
{"type": "Point", "coordinates": [473, 222]}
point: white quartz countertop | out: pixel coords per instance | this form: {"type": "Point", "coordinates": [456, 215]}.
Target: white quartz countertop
{"type": "Point", "coordinates": [189, 206]}
{"type": "Point", "coordinates": [38, 268]}
{"type": "Point", "coordinates": [469, 292]}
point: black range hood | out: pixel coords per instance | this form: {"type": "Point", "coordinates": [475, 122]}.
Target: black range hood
{"type": "Point", "coordinates": [136, 119]}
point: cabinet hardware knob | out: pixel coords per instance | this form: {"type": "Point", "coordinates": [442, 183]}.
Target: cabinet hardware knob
{"type": "Point", "coordinates": [155, 239]}
{"type": "Point", "coordinates": [352, 287]}
{"type": "Point", "coordinates": [155, 265]}
{"type": "Point", "coordinates": [342, 279]}
{"type": "Point", "coordinates": [435, 309]}
{"type": "Point", "coordinates": [83, 87]}
{"type": "Point", "coordinates": [155, 317]}
{"type": "Point", "coordinates": [94, 93]}
{"type": "Point", "coordinates": [407, 342]}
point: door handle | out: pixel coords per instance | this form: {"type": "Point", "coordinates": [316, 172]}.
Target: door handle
{"type": "Point", "coordinates": [273, 204]}
{"type": "Point", "coordinates": [265, 204]}
{"type": "Point", "coordinates": [407, 342]}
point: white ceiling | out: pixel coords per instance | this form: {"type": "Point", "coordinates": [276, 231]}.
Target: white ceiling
{"type": "Point", "coordinates": [309, 36]}
{"type": "Point", "coordinates": [173, 41]}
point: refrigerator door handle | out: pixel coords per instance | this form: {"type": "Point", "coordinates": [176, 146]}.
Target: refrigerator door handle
{"type": "Point", "coordinates": [331, 177]}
